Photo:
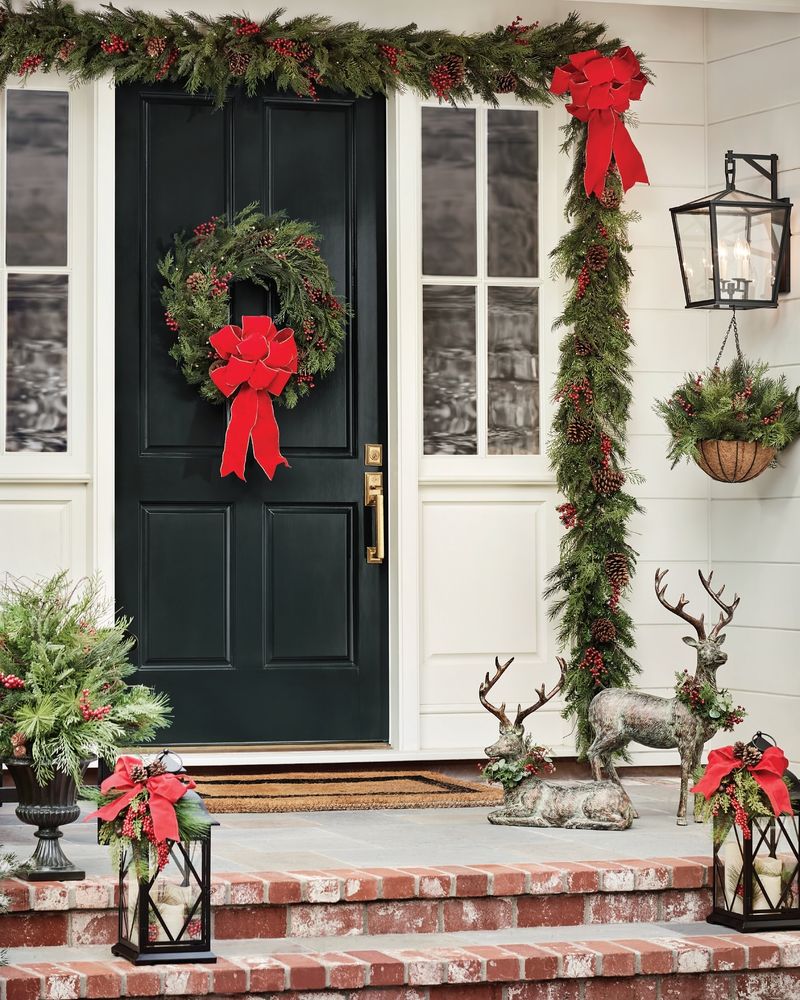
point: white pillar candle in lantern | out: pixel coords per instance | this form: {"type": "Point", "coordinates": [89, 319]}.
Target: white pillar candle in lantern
{"type": "Point", "coordinates": [769, 874]}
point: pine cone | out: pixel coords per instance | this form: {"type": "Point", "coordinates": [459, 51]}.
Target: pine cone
{"type": "Point", "coordinates": [238, 62]}
{"type": "Point", "coordinates": [597, 257]}
{"type": "Point", "coordinates": [156, 767]}
{"type": "Point", "coordinates": [579, 431]}
{"type": "Point", "coordinates": [66, 49]}
{"type": "Point", "coordinates": [155, 46]}
{"type": "Point", "coordinates": [194, 281]}
{"type": "Point", "coordinates": [582, 348]}
{"type": "Point", "coordinates": [747, 753]}
{"type": "Point", "coordinates": [505, 83]}
{"type": "Point", "coordinates": [616, 564]}
{"type": "Point", "coordinates": [611, 196]}
{"type": "Point", "coordinates": [455, 67]}
{"type": "Point", "coordinates": [603, 630]}
{"type": "Point", "coordinates": [607, 481]}
{"type": "Point", "coordinates": [139, 773]}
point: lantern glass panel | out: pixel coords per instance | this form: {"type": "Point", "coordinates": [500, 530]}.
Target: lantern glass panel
{"type": "Point", "coordinates": [172, 901]}
{"type": "Point", "coordinates": [749, 239]}
{"type": "Point", "coordinates": [694, 233]}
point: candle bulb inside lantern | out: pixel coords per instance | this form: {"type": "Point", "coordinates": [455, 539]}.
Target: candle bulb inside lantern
{"type": "Point", "coordinates": [722, 257]}
{"type": "Point", "coordinates": [741, 251]}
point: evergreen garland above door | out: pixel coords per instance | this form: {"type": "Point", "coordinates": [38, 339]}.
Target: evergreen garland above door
{"type": "Point", "coordinates": [532, 61]}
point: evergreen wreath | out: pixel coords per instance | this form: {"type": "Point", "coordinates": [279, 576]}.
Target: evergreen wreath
{"type": "Point", "coordinates": [509, 773]}
{"type": "Point", "coordinates": [707, 703]}
{"type": "Point", "coordinates": [587, 444]}
{"type": "Point", "coordinates": [273, 252]}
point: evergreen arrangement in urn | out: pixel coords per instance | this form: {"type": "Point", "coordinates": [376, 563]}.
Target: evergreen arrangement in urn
{"type": "Point", "coordinates": [64, 698]}
{"type": "Point", "coordinates": [738, 403]}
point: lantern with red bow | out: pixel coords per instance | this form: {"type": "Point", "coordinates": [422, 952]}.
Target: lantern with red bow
{"type": "Point", "coordinates": [753, 802]}
{"type": "Point", "coordinates": [160, 831]}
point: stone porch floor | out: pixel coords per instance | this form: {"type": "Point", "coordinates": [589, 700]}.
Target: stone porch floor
{"type": "Point", "coordinates": [395, 838]}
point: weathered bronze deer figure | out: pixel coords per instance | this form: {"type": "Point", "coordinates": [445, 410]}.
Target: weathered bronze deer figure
{"type": "Point", "coordinates": [619, 716]}
{"type": "Point", "coordinates": [575, 805]}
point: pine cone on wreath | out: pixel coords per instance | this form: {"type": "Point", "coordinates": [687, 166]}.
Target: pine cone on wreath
{"type": "Point", "coordinates": [505, 83]}
{"type": "Point", "coordinates": [583, 348]}
{"type": "Point", "coordinates": [607, 481]}
{"type": "Point", "coordinates": [597, 257]}
{"type": "Point", "coordinates": [616, 564]}
{"type": "Point", "coordinates": [66, 49]}
{"type": "Point", "coordinates": [455, 67]}
{"type": "Point", "coordinates": [238, 62]}
{"type": "Point", "coordinates": [579, 431]}
{"type": "Point", "coordinates": [155, 46]}
{"type": "Point", "coordinates": [603, 630]}
{"type": "Point", "coordinates": [611, 196]}
{"type": "Point", "coordinates": [139, 773]}
{"type": "Point", "coordinates": [747, 753]}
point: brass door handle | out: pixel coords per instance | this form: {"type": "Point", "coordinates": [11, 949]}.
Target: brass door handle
{"type": "Point", "coordinates": [373, 497]}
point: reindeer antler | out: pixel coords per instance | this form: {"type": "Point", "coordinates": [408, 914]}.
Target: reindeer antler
{"type": "Point", "coordinates": [486, 687]}
{"type": "Point", "coordinates": [728, 610]}
{"type": "Point", "coordinates": [679, 609]}
{"type": "Point", "coordinates": [522, 714]}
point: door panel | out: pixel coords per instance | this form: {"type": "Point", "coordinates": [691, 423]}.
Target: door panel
{"type": "Point", "coordinates": [253, 603]}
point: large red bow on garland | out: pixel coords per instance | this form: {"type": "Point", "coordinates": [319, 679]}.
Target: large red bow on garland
{"type": "Point", "coordinates": [164, 791]}
{"type": "Point", "coordinates": [768, 773]}
{"type": "Point", "coordinates": [260, 360]}
{"type": "Point", "coordinates": [601, 89]}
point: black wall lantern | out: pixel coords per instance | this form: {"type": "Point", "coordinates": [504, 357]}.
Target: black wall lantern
{"type": "Point", "coordinates": [733, 246]}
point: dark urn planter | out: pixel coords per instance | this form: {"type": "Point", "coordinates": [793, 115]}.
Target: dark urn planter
{"type": "Point", "coordinates": [47, 807]}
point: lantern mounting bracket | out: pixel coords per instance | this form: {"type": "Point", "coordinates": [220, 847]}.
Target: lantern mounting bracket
{"type": "Point", "coordinates": [752, 160]}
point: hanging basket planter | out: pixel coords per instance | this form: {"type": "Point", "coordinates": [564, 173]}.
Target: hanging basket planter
{"type": "Point", "coordinates": [733, 461]}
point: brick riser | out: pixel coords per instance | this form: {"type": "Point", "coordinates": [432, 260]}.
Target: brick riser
{"type": "Point", "coordinates": [762, 967]}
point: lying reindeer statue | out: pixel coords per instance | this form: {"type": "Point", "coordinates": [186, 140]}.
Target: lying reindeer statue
{"type": "Point", "coordinates": [574, 805]}
{"type": "Point", "coordinates": [619, 716]}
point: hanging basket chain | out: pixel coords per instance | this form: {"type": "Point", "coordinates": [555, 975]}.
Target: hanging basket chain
{"type": "Point", "coordinates": [733, 325]}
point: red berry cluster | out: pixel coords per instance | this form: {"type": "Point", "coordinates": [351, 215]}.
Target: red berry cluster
{"type": "Point", "coordinates": [568, 515]}
{"type": "Point", "coordinates": [166, 66]}
{"type": "Point", "coordinates": [313, 77]}
{"type": "Point", "coordinates": [88, 713]}
{"type": "Point", "coordinates": [11, 682]}
{"type": "Point", "coordinates": [747, 392]}
{"type": "Point", "coordinates": [305, 243]}
{"type": "Point", "coordinates": [306, 378]}
{"type": "Point", "coordinates": [519, 30]}
{"type": "Point", "coordinates": [392, 56]}
{"type": "Point", "coordinates": [206, 229]}
{"type": "Point", "coordinates": [314, 293]}
{"type": "Point", "coordinates": [194, 929]}
{"type": "Point", "coordinates": [689, 690]}
{"type": "Point", "coordinates": [172, 323]}
{"type": "Point", "coordinates": [219, 283]}
{"type": "Point", "coordinates": [583, 282]}
{"type": "Point", "coordinates": [601, 230]}
{"type": "Point", "coordinates": [244, 26]}
{"type": "Point", "coordinates": [605, 448]}
{"type": "Point", "coordinates": [30, 64]}
{"type": "Point", "coordinates": [321, 345]}
{"type": "Point", "coordinates": [441, 80]}
{"type": "Point", "coordinates": [578, 393]}
{"type": "Point", "coordinates": [616, 592]}
{"type": "Point", "coordinates": [740, 817]}
{"type": "Point", "coordinates": [684, 404]}
{"type": "Point", "coordinates": [774, 417]}
{"type": "Point", "coordinates": [115, 45]}
{"type": "Point", "coordinates": [284, 47]}
{"type": "Point", "coordinates": [309, 328]}
{"type": "Point", "coordinates": [594, 663]}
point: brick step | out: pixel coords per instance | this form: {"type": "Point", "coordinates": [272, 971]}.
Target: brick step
{"type": "Point", "coordinates": [384, 901]}
{"type": "Point", "coordinates": [636, 961]}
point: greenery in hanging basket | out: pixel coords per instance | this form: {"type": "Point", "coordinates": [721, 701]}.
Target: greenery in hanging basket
{"type": "Point", "coordinates": [63, 663]}
{"type": "Point", "coordinates": [737, 403]}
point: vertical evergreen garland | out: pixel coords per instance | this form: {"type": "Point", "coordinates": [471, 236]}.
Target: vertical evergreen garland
{"type": "Point", "coordinates": [587, 444]}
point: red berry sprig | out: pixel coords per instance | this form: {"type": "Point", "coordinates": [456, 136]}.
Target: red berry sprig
{"type": "Point", "coordinates": [519, 30]}
{"type": "Point", "coordinates": [30, 64]}
{"type": "Point", "coordinates": [206, 229]}
{"type": "Point", "coordinates": [168, 63]}
{"type": "Point", "coordinates": [114, 45]}
{"type": "Point", "coordinates": [773, 417]}
{"type": "Point", "coordinates": [305, 243]}
{"type": "Point", "coordinates": [584, 278]}
{"type": "Point", "coordinates": [392, 56]}
{"type": "Point", "coordinates": [219, 283]}
{"type": "Point", "coordinates": [568, 515]}
{"type": "Point", "coordinates": [605, 448]}
{"type": "Point", "coordinates": [306, 378]}
{"type": "Point", "coordinates": [314, 293]}
{"type": "Point", "coordinates": [171, 322]}
{"type": "Point", "coordinates": [284, 47]}
{"type": "Point", "coordinates": [88, 713]}
{"type": "Point", "coordinates": [684, 404]}
{"type": "Point", "coordinates": [244, 27]}
{"type": "Point", "coordinates": [740, 817]}
{"type": "Point", "coordinates": [593, 662]}
{"type": "Point", "coordinates": [309, 329]}
{"type": "Point", "coordinates": [11, 682]}
{"type": "Point", "coordinates": [578, 393]}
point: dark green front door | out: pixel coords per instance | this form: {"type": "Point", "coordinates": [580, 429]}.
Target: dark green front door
{"type": "Point", "coordinates": [253, 603]}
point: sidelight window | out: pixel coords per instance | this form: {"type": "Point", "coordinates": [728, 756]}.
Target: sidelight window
{"type": "Point", "coordinates": [480, 281]}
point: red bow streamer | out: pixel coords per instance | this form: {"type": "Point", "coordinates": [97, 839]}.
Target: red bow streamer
{"type": "Point", "coordinates": [164, 791]}
{"type": "Point", "coordinates": [260, 360]}
{"type": "Point", "coordinates": [601, 89]}
{"type": "Point", "coordinates": [768, 772]}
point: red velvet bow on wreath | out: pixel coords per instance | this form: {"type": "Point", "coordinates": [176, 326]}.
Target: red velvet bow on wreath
{"type": "Point", "coordinates": [602, 88]}
{"type": "Point", "coordinates": [164, 790]}
{"type": "Point", "coordinates": [768, 773]}
{"type": "Point", "coordinates": [259, 360]}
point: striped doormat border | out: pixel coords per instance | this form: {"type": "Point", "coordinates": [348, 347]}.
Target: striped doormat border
{"type": "Point", "coordinates": [331, 790]}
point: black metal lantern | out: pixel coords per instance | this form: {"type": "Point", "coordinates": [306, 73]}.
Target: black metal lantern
{"type": "Point", "coordinates": [733, 246]}
{"type": "Point", "coordinates": [756, 879]}
{"type": "Point", "coordinates": [166, 916]}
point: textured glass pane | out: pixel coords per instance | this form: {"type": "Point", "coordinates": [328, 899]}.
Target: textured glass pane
{"type": "Point", "coordinates": [448, 370]}
{"type": "Point", "coordinates": [36, 399]}
{"type": "Point", "coordinates": [513, 194]}
{"type": "Point", "coordinates": [513, 371]}
{"type": "Point", "coordinates": [37, 124]}
{"type": "Point", "coordinates": [449, 234]}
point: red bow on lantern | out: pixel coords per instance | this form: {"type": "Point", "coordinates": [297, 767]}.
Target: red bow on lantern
{"type": "Point", "coordinates": [768, 773]}
{"type": "Point", "coordinates": [260, 359]}
{"type": "Point", "coordinates": [164, 791]}
{"type": "Point", "coordinates": [602, 88]}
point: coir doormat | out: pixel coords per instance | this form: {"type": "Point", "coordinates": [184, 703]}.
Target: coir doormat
{"type": "Point", "coordinates": [304, 792]}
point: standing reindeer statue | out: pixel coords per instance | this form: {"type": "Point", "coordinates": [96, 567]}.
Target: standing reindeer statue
{"type": "Point", "coordinates": [575, 805]}
{"type": "Point", "coordinates": [619, 716]}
